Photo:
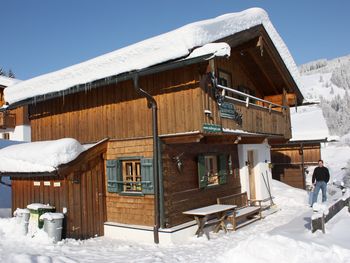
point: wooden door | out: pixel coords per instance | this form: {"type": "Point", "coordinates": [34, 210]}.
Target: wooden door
{"type": "Point", "coordinates": [87, 206]}
{"type": "Point", "coordinates": [251, 174]}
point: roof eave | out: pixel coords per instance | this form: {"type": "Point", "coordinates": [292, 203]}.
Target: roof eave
{"type": "Point", "coordinates": [112, 80]}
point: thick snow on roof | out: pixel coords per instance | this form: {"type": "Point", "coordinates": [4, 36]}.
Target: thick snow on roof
{"type": "Point", "coordinates": [175, 44]}
{"type": "Point", "coordinates": [308, 123]}
{"type": "Point", "coordinates": [5, 81]}
{"type": "Point", "coordinates": [44, 156]}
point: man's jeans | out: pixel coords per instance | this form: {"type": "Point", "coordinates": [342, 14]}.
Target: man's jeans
{"type": "Point", "coordinates": [323, 186]}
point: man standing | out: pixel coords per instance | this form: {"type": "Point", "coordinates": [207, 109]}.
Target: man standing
{"type": "Point", "coordinates": [320, 179]}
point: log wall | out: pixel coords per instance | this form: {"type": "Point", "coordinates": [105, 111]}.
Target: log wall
{"type": "Point", "coordinates": [181, 190]}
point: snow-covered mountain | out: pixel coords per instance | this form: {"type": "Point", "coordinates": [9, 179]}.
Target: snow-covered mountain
{"type": "Point", "coordinates": [328, 82]}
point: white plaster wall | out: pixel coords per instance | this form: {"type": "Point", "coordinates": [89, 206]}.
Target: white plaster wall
{"type": "Point", "coordinates": [262, 158]}
{"type": "Point", "coordinates": [145, 234]}
{"type": "Point", "coordinates": [20, 133]}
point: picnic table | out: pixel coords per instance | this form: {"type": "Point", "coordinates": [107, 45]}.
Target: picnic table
{"type": "Point", "coordinates": [202, 215]}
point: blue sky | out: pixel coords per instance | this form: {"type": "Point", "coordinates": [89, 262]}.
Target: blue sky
{"type": "Point", "coordinates": [41, 36]}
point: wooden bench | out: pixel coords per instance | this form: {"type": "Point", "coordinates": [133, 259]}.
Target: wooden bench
{"type": "Point", "coordinates": [247, 211]}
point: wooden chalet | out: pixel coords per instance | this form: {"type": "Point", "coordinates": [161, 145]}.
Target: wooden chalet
{"type": "Point", "coordinates": [291, 160]}
{"type": "Point", "coordinates": [14, 124]}
{"type": "Point", "coordinates": [216, 115]}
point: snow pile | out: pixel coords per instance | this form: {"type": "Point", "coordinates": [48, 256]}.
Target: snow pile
{"type": "Point", "coordinates": [308, 123]}
{"type": "Point", "coordinates": [175, 44]}
{"type": "Point", "coordinates": [51, 216]}
{"type": "Point", "coordinates": [278, 248]}
{"type": "Point", "coordinates": [20, 211]}
{"type": "Point", "coordinates": [37, 206]}
{"type": "Point", "coordinates": [217, 49]}
{"type": "Point", "coordinates": [44, 156]}
{"type": "Point", "coordinates": [6, 81]}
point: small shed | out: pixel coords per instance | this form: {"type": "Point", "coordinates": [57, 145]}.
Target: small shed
{"type": "Point", "coordinates": [70, 177]}
{"type": "Point", "coordinates": [290, 160]}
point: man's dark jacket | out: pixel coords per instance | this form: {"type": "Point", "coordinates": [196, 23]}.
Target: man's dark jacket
{"type": "Point", "coordinates": [320, 174]}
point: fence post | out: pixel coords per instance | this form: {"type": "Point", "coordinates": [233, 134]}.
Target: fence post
{"type": "Point", "coordinates": [323, 224]}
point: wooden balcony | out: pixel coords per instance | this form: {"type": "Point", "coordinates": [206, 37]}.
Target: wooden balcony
{"type": "Point", "coordinates": [7, 120]}
{"type": "Point", "coordinates": [254, 115]}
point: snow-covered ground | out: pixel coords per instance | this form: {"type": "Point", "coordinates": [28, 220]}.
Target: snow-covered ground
{"type": "Point", "coordinates": [284, 236]}
{"type": "Point", "coordinates": [281, 237]}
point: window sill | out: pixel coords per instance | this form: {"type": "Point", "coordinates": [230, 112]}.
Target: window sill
{"type": "Point", "coordinates": [131, 194]}
{"type": "Point", "coordinates": [213, 186]}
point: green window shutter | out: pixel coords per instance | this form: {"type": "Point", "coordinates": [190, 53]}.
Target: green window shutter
{"type": "Point", "coordinates": [222, 168]}
{"type": "Point", "coordinates": [147, 176]}
{"type": "Point", "coordinates": [202, 178]}
{"type": "Point", "coordinates": [114, 176]}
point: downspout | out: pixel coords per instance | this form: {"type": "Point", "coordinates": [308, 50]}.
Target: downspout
{"type": "Point", "coordinates": [153, 105]}
{"type": "Point", "coordinates": [303, 164]}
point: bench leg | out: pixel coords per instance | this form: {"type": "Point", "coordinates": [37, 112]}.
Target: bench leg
{"type": "Point", "coordinates": [221, 224]}
{"type": "Point", "coordinates": [201, 223]}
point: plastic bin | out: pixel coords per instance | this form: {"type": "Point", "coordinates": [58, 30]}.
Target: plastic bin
{"type": "Point", "coordinates": [53, 225]}
{"type": "Point", "coordinates": [36, 210]}
{"type": "Point", "coordinates": [22, 218]}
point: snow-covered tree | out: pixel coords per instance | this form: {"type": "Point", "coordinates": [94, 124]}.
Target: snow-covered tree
{"type": "Point", "coordinates": [11, 74]}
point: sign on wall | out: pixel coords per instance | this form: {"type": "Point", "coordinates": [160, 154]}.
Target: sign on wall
{"type": "Point", "coordinates": [211, 127]}
{"type": "Point", "coordinates": [228, 111]}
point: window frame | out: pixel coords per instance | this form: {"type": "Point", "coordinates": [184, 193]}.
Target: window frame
{"type": "Point", "coordinates": [203, 179]}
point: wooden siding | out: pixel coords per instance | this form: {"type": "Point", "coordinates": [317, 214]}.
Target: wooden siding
{"type": "Point", "coordinates": [137, 210]}
{"type": "Point", "coordinates": [116, 111]}
{"type": "Point", "coordinates": [287, 162]}
{"type": "Point", "coordinates": [81, 191]}
{"type": "Point", "coordinates": [181, 191]}
{"type": "Point", "coordinates": [262, 121]}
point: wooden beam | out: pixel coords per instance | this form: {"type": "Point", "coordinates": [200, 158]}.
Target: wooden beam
{"type": "Point", "coordinates": [277, 60]}
{"type": "Point", "coordinates": [268, 80]}
{"type": "Point", "coordinates": [192, 138]}
{"type": "Point", "coordinates": [246, 71]}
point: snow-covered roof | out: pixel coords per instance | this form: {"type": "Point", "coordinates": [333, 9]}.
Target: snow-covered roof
{"type": "Point", "coordinates": [176, 44]}
{"type": "Point", "coordinates": [38, 157]}
{"type": "Point", "coordinates": [308, 123]}
{"type": "Point", "coordinates": [5, 81]}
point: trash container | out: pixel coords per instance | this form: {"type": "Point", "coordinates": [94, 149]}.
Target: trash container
{"type": "Point", "coordinates": [36, 210]}
{"type": "Point", "coordinates": [53, 225]}
{"type": "Point", "coordinates": [22, 218]}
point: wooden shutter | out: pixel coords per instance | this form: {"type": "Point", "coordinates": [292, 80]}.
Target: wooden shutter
{"type": "Point", "coordinates": [202, 177]}
{"type": "Point", "coordinates": [147, 176]}
{"type": "Point", "coordinates": [222, 166]}
{"type": "Point", "coordinates": [114, 176]}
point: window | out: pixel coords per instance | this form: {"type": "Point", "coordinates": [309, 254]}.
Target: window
{"type": "Point", "coordinates": [6, 136]}
{"type": "Point", "coordinates": [213, 169]}
{"type": "Point", "coordinates": [133, 175]}
{"type": "Point", "coordinates": [225, 79]}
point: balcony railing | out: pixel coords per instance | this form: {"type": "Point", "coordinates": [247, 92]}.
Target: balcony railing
{"type": "Point", "coordinates": [7, 120]}
{"type": "Point", "coordinates": [249, 99]}
{"type": "Point", "coordinates": [256, 115]}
